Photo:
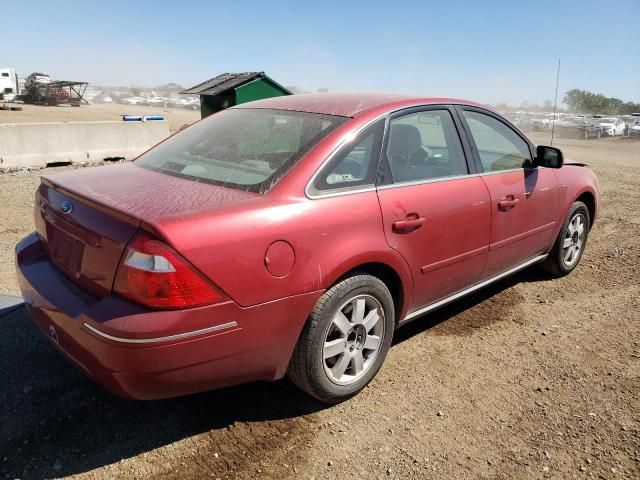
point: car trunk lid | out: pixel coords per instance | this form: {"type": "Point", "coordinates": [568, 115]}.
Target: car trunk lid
{"type": "Point", "coordinates": [86, 217]}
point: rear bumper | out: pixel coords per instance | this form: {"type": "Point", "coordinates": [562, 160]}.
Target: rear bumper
{"type": "Point", "coordinates": [139, 353]}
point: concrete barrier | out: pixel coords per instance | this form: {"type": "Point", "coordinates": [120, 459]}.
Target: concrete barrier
{"type": "Point", "coordinates": [40, 144]}
{"type": "Point", "coordinates": [9, 303]}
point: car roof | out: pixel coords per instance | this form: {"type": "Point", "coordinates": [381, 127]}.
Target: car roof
{"type": "Point", "coordinates": [348, 104]}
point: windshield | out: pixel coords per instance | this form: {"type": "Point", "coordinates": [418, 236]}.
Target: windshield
{"type": "Point", "coordinates": [607, 120]}
{"type": "Point", "coordinates": [248, 149]}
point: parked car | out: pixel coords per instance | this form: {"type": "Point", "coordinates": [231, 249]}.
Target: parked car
{"type": "Point", "coordinates": [634, 128]}
{"type": "Point", "coordinates": [179, 102]}
{"type": "Point", "coordinates": [292, 235]}
{"type": "Point", "coordinates": [523, 122]}
{"type": "Point", "coordinates": [577, 127]}
{"type": "Point", "coordinates": [544, 122]}
{"type": "Point", "coordinates": [192, 104]}
{"type": "Point", "coordinates": [37, 78]}
{"type": "Point", "coordinates": [629, 121]}
{"type": "Point", "coordinates": [102, 98]}
{"type": "Point", "coordinates": [134, 101]}
{"type": "Point", "coordinates": [611, 126]}
{"type": "Point", "coordinates": [158, 101]}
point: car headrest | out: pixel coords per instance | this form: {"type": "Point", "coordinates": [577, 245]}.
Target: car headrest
{"type": "Point", "coordinates": [404, 140]}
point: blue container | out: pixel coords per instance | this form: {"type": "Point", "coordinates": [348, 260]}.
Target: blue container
{"type": "Point", "coordinates": [141, 118]}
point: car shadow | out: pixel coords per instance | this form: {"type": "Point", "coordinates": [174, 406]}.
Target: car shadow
{"type": "Point", "coordinates": [457, 318]}
{"type": "Point", "coordinates": [56, 422]}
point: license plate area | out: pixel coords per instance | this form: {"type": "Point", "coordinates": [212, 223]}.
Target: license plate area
{"type": "Point", "coordinates": [65, 251]}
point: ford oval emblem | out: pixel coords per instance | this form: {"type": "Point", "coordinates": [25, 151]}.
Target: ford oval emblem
{"type": "Point", "coordinates": [66, 207]}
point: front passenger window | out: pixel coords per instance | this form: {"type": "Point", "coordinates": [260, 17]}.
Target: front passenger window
{"type": "Point", "coordinates": [499, 147]}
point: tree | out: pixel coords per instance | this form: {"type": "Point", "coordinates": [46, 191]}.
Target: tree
{"type": "Point", "coordinates": [630, 107]}
{"type": "Point", "coordinates": [583, 101]}
{"type": "Point", "coordinates": [574, 100]}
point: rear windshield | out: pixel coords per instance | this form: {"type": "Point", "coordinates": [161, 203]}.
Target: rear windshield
{"type": "Point", "coordinates": [248, 149]}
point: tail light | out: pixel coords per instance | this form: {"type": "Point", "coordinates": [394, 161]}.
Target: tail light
{"type": "Point", "coordinates": [154, 274]}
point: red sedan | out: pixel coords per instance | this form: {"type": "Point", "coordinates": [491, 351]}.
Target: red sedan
{"type": "Point", "coordinates": [292, 236]}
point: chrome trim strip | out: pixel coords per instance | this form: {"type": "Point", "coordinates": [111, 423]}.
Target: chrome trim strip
{"type": "Point", "coordinates": [428, 180]}
{"type": "Point", "coordinates": [369, 188]}
{"type": "Point", "coordinates": [451, 178]}
{"type": "Point", "coordinates": [347, 138]}
{"type": "Point", "coordinates": [507, 170]}
{"type": "Point", "coordinates": [469, 290]}
{"type": "Point", "coordinates": [168, 338]}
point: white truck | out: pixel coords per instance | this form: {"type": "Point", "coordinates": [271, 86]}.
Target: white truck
{"type": "Point", "coordinates": [9, 87]}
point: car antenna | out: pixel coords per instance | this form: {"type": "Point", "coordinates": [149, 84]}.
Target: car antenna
{"type": "Point", "coordinates": [555, 104]}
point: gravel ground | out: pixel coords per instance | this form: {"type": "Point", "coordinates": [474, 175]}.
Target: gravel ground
{"type": "Point", "coordinates": [96, 112]}
{"type": "Point", "coordinates": [530, 378]}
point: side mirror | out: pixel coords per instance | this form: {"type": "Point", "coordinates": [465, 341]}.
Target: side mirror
{"type": "Point", "coordinates": [549, 157]}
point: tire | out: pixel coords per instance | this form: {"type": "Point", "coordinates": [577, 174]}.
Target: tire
{"type": "Point", "coordinates": [573, 235]}
{"type": "Point", "coordinates": [334, 360]}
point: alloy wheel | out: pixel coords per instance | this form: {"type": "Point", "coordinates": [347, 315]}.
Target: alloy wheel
{"type": "Point", "coordinates": [574, 240]}
{"type": "Point", "coordinates": [353, 339]}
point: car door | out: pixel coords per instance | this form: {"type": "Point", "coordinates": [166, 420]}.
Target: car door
{"type": "Point", "coordinates": [524, 199]}
{"type": "Point", "coordinates": [435, 212]}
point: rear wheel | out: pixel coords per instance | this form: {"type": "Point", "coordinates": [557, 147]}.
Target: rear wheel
{"type": "Point", "coordinates": [345, 340]}
{"type": "Point", "coordinates": [572, 239]}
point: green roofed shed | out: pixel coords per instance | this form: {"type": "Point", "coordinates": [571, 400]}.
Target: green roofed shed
{"type": "Point", "coordinates": [231, 89]}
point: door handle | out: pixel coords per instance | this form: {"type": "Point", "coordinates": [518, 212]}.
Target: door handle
{"type": "Point", "coordinates": [508, 203]}
{"type": "Point", "coordinates": [408, 224]}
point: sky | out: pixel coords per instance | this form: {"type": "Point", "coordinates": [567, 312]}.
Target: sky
{"type": "Point", "coordinates": [487, 51]}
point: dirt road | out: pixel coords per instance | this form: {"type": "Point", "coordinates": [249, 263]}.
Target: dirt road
{"type": "Point", "coordinates": [531, 378]}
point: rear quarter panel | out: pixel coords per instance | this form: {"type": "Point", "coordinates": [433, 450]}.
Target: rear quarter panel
{"type": "Point", "coordinates": [329, 237]}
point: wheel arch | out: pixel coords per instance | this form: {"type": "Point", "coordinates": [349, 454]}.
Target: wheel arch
{"type": "Point", "coordinates": [589, 200]}
{"type": "Point", "coordinates": [389, 277]}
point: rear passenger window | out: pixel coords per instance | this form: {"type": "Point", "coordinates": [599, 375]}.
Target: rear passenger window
{"type": "Point", "coordinates": [424, 146]}
{"type": "Point", "coordinates": [499, 147]}
{"type": "Point", "coordinates": [356, 165]}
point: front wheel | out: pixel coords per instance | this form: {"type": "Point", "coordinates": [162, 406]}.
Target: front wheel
{"type": "Point", "coordinates": [345, 339]}
{"type": "Point", "coordinates": [572, 239]}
